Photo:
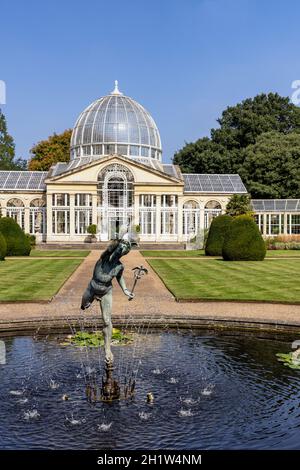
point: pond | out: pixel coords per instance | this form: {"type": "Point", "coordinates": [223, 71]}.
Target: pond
{"type": "Point", "coordinates": [210, 391]}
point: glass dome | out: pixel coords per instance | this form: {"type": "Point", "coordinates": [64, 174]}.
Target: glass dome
{"type": "Point", "coordinates": [115, 124]}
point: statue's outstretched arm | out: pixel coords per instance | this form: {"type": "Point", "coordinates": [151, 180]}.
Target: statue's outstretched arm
{"type": "Point", "coordinates": [122, 284]}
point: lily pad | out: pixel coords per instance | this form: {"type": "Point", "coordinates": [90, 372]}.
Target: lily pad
{"type": "Point", "coordinates": [288, 360]}
{"type": "Point", "coordinates": [95, 339]}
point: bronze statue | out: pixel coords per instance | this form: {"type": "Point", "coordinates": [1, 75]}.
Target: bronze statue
{"type": "Point", "coordinates": [107, 267]}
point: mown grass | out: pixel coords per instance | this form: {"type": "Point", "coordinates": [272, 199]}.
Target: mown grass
{"type": "Point", "coordinates": [34, 279]}
{"type": "Point", "coordinates": [270, 280]}
{"type": "Point", "coordinates": [59, 253]}
{"type": "Point", "coordinates": [200, 253]}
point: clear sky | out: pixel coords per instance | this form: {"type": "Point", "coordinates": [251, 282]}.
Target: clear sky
{"type": "Point", "coordinates": [184, 60]}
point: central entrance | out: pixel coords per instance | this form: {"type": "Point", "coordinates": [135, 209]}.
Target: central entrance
{"type": "Point", "coordinates": [115, 201]}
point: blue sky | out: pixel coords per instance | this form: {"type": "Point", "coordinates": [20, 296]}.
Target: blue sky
{"type": "Point", "coordinates": [184, 60]}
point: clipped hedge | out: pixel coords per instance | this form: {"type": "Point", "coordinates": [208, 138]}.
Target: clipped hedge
{"type": "Point", "coordinates": [243, 241]}
{"type": "Point", "coordinates": [3, 247]}
{"type": "Point", "coordinates": [16, 240]}
{"type": "Point", "coordinates": [216, 235]}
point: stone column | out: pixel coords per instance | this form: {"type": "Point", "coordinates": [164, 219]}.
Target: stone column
{"type": "Point", "coordinates": [158, 219]}
{"type": "Point", "coordinates": [72, 217]}
{"type": "Point", "coordinates": [285, 227]}
{"type": "Point", "coordinates": [179, 219]}
{"type": "Point", "coordinates": [265, 224]}
{"type": "Point", "coordinates": [136, 209]}
{"type": "Point", "coordinates": [26, 219]}
{"type": "Point", "coordinates": [49, 217]}
{"type": "Point", "coordinates": [94, 210]}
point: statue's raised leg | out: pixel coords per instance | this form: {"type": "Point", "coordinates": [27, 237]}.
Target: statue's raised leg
{"type": "Point", "coordinates": [106, 309]}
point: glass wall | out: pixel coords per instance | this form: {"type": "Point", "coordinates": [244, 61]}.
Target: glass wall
{"type": "Point", "coordinates": [61, 213]}
{"type": "Point", "coordinates": [83, 212]}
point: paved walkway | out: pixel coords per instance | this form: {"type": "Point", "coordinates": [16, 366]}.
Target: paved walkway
{"type": "Point", "coordinates": [152, 302]}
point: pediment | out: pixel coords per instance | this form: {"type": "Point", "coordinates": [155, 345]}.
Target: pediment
{"type": "Point", "coordinates": [88, 173]}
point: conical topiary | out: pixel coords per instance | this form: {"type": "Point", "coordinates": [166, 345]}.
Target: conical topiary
{"type": "Point", "coordinates": [243, 241]}
{"type": "Point", "coordinates": [216, 235]}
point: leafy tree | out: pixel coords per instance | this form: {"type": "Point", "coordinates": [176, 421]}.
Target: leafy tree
{"type": "Point", "coordinates": [238, 204]}
{"type": "Point", "coordinates": [240, 127]}
{"type": "Point", "coordinates": [7, 149]}
{"type": "Point", "coordinates": [271, 167]}
{"type": "Point", "coordinates": [203, 156]}
{"type": "Point", "coordinates": [50, 151]}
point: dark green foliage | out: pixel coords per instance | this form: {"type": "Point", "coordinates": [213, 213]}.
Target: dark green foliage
{"type": "Point", "coordinates": [7, 149]}
{"type": "Point", "coordinates": [92, 229]}
{"type": "Point", "coordinates": [3, 247]}
{"type": "Point", "coordinates": [238, 204]}
{"type": "Point", "coordinates": [31, 238]}
{"type": "Point", "coordinates": [255, 138]}
{"type": "Point", "coordinates": [243, 241]}
{"type": "Point", "coordinates": [16, 240]}
{"type": "Point", "coordinates": [216, 235]}
{"type": "Point", "coordinates": [271, 167]}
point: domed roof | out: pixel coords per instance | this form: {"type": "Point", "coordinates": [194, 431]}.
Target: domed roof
{"type": "Point", "coordinates": [115, 124]}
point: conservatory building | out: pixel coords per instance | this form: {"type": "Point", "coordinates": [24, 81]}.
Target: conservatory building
{"type": "Point", "coordinates": [117, 181]}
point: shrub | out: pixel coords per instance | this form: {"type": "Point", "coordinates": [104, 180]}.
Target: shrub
{"type": "Point", "coordinates": [216, 235]}
{"type": "Point", "coordinates": [243, 241]}
{"type": "Point", "coordinates": [16, 240]}
{"type": "Point", "coordinates": [3, 247]}
{"type": "Point", "coordinates": [31, 238]}
{"type": "Point", "coordinates": [92, 229]}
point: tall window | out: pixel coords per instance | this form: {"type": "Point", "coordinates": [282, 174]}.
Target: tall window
{"type": "Point", "coordinates": [147, 219]}
{"type": "Point", "coordinates": [212, 210]}
{"type": "Point", "coordinates": [61, 213]}
{"type": "Point", "coordinates": [169, 200]}
{"type": "Point", "coordinates": [37, 216]}
{"type": "Point", "coordinates": [293, 221]}
{"type": "Point", "coordinates": [191, 218]}
{"type": "Point", "coordinates": [116, 187]}
{"type": "Point", "coordinates": [83, 212]}
{"type": "Point", "coordinates": [16, 210]}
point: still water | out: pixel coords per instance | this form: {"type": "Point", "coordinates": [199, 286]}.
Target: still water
{"type": "Point", "coordinates": [210, 392]}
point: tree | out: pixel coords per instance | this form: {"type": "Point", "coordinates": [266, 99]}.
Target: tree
{"type": "Point", "coordinates": [7, 149]}
{"type": "Point", "coordinates": [203, 156]}
{"type": "Point", "coordinates": [271, 167]}
{"type": "Point", "coordinates": [50, 151]}
{"type": "Point", "coordinates": [240, 127]}
{"type": "Point", "coordinates": [238, 204]}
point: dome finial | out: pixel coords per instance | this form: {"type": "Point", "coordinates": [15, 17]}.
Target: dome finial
{"type": "Point", "coordinates": [116, 90]}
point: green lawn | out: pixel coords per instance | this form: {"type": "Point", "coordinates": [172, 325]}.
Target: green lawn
{"type": "Point", "coordinates": [200, 253]}
{"type": "Point", "coordinates": [172, 253]}
{"type": "Point", "coordinates": [215, 279]}
{"type": "Point", "coordinates": [34, 279]}
{"type": "Point", "coordinates": [60, 253]}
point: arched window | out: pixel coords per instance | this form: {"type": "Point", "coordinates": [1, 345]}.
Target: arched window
{"type": "Point", "coordinates": [213, 205]}
{"type": "Point", "coordinates": [115, 188]}
{"type": "Point", "coordinates": [191, 219]}
{"type": "Point", "coordinates": [15, 202]}
{"type": "Point", "coordinates": [37, 216]}
{"type": "Point", "coordinates": [212, 210]}
{"type": "Point", "coordinates": [15, 209]}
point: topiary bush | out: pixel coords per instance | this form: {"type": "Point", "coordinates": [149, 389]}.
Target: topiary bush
{"type": "Point", "coordinates": [216, 235]}
{"type": "Point", "coordinates": [243, 241]}
{"type": "Point", "coordinates": [3, 247]}
{"type": "Point", "coordinates": [16, 240]}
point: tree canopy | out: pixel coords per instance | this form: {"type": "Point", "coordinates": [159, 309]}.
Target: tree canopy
{"type": "Point", "coordinates": [238, 204]}
{"type": "Point", "coordinates": [7, 149]}
{"type": "Point", "coordinates": [230, 146]}
{"type": "Point", "coordinates": [52, 150]}
{"type": "Point", "coordinates": [271, 167]}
